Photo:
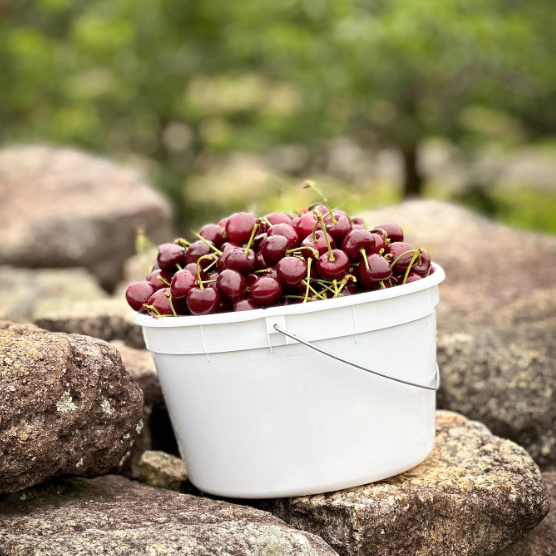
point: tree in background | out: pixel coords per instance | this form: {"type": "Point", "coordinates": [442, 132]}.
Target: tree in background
{"type": "Point", "coordinates": [177, 82]}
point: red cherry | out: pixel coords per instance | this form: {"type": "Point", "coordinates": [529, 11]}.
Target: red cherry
{"type": "Point", "coordinates": [291, 271]}
{"type": "Point", "coordinates": [203, 302]}
{"type": "Point", "coordinates": [319, 244]}
{"type": "Point", "coordinates": [379, 242]}
{"type": "Point", "coordinates": [357, 240]}
{"type": "Point", "coordinates": [222, 222]}
{"type": "Point", "coordinates": [161, 302]}
{"type": "Point", "coordinates": [169, 256]}
{"type": "Point", "coordinates": [244, 305]}
{"type": "Point", "coordinates": [423, 268]}
{"type": "Point", "coordinates": [358, 220]}
{"type": "Point", "coordinates": [239, 227]}
{"type": "Point", "coordinates": [273, 248]}
{"type": "Point", "coordinates": [333, 270]}
{"type": "Point", "coordinates": [236, 259]}
{"type": "Point", "coordinates": [395, 233]}
{"type": "Point", "coordinates": [358, 227]}
{"type": "Point", "coordinates": [412, 277]}
{"type": "Point", "coordinates": [349, 289]}
{"type": "Point", "coordinates": [305, 224]}
{"type": "Point", "coordinates": [226, 247]}
{"type": "Point", "coordinates": [340, 228]}
{"type": "Point", "coordinates": [153, 278]}
{"type": "Point", "coordinates": [197, 250]}
{"type": "Point", "coordinates": [279, 218]}
{"type": "Point", "coordinates": [379, 270]}
{"type": "Point", "coordinates": [287, 231]}
{"type": "Point", "coordinates": [212, 233]}
{"type": "Point", "coordinates": [260, 263]}
{"type": "Point", "coordinates": [395, 250]}
{"type": "Point", "coordinates": [231, 284]}
{"type": "Point", "coordinates": [139, 293]}
{"type": "Point", "coordinates": [182, 282]}
{"type": "Point", "coordinates": [192, 267]}
{"type": "Point", "coordinates": [250, 279]}
{"type": "Point", "coordinates": [265, 291]}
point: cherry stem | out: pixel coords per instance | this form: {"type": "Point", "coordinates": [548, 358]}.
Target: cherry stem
{"type": "Point", "coordinates": [311, 184]}
{"type": "Point", "coordinates": [171, 304]}
{"type": "Point", "coordinates": [163, 281]}
{"type": "Point", "coordinates": [151, 308]}
{"type": "Point", "coordinates": [410, 265]}
{"type": "Point", "coordinates": [215, 249]}
{"type": "Point", "coordinates": [211, 264]}
{"type": "Point", "coordinates": [416, 251]}
{"type": "Point", "coordinates": [382, 285]}
{"type": "Point", "coordinates": [305, 283]}
{"type": "Point", "coordinates": [266, 221]}
{"type": "Point", "coordinates": [364, 253]}
{"type": "Point", "coordinates": [179, 266]}
{"type": "Point", "coordinates": [321, 220]}
{"type": "Point", "coordinates": [381, 230]}
{"type": "Point", "coordinates": [336, 290]}
{"type": "Point", "coordinates": [315, 252]}
{"type": "Point", "coordinates": [296, 297]}
{"type": "Point", "coordinates": [251, 238]}
{"type": "Point", "coordinates": [308, 280]}
{"type": "Point", "coordinates": [182, 242]}
{"type": "Point", "coordinates": [199, 269]}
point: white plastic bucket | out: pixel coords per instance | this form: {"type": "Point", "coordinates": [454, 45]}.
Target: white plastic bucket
{"type": "Point", "coordinates": [259, 415]}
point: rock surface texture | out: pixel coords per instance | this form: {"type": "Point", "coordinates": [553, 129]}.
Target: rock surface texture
{"type": "Point", "coordinates": [162, 470]}
{"type": "Point", "coordinates": [112, 515]}
{"type": "Point", "coordinates": [542, 540]}
{"type": "Point", "coordinates": [474, 495]}
{"type": "Point", "coordinates": [85, 210]}
{"type": "Point", "coordinates": [67, 406]}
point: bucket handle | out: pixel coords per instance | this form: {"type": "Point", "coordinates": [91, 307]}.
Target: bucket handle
{"type": "Point", "coordinates": [324, 352]}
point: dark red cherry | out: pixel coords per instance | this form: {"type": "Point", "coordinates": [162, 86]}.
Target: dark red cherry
{"type": "Point", "coordinates": [153, 278]}
{"type": "Point", "coordinates": [431, 271]}
{"type": "Point", "coordinates": [161, 302]}
{"type": "Point", "coordinates": [319, 244]}
{"type": "Point", "coordinates": [395, 250]}
{"type": "Point", "coordinates": [323, 209]}
{"type": "Point", "coordinates": [239, 227]}
{"type": "Point", "coordinates": [349, 289]}
{"type": "Point", "coordinates": [358, 220]}
{"type": "Point", "coordinates": [412, 277]}
{"type": "Point", "coordinates": [170, 256]}
{"type": "Point", "coordinates": [225, 306]}
{"type": "Point", "coordinates": [231, 284]}
{"type": "Point", "coordinates": [358, 227]}
{"type": "Point", "coordinates": [250, 279]}
{"type": "Point", "coordinates": [236, 259]}
{"type": "Point", "coordinates": [395, 233]}
{"type": "Point", "coordinates": [222, 222]}
{"type": "Point", "coordinates": [423, 268]}
{"type": "Point", "coordinates": [203, 302]}
{"type": "Point", "coordinates": [357, 240]}
{"type": "Point", "coordinates": [197, 250]}
{"type": "Point", "coordinates": [244, 305]}
{"type": "Point", "coordinates": [182, 282]}
{"type": "Point", "coordinates": [139, 293]}
{"type": "Point", "coordinates": [379, 242]}
{"type": "Point", "coordinates": [291, 271]}
{"type": "Point", "coordinates": [265, 291]}
{"type": "Point", "coordinates": [305, 224]}
{"type": "Point", "coordinates": [333, 270]}
{"type": "Point", "coordinates": [273, 248]}
{"type": "Point", "coordinates": [287, 231]}
{"type": "Point", "coordinates": [340, 228]}
{"type": "Point", "coordinates": [260, 263]}
{"type": "Point", "coordinates": [228, 246]}
{"type": "Point", "coordinates": [279, 218]}
{"type": "Point", "coordinates": [379, 270]}
{"type": "Point", "coordinates": [192, 267]}
{"type": "Point", "coordinates": [212, 233]}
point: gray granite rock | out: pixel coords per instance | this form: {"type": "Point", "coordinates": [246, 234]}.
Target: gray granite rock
{"type": "Point", "coordinates": [112, 515]}
{"type": "Point", "coordinates": [475, 494]}
{"type": "Point", "coordinates": [84, 212]}
{"type": "Point", "coordinates": [67, 406]}
{"type": "Point", "coordinates": [162, 470]}
{"type": "Point", "coordinates": [26, 293]}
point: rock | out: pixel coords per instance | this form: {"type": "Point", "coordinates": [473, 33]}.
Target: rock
{"type": "Point", "coordinates": [85, 210]}
{"type": "Point", "coordinates": [67, 406]}
{"type": "Point", "coordinates": [109, 319]}
{"type": "Point", "coordinates": [112, 515]}
{"type": "Point", "coordinates": [474, 495]}
{"type": "Point", "coordinates": [162, 470]}
{"type": "Point", "coordinates": [27, 292]}
{"type": "Point", "coordinates": [140, 365]}
{"type": "Point", "coordinates": [542, 540]}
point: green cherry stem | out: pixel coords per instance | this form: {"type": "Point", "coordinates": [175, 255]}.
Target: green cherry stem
{"type": "Point", "coordinates": [151, 308]}
{"type": "Point", "coordinates": [310, 184]}
{"type": "Point", "coordinates": [204, 257]}
{"type": "Point", "coordinates": [381, 230]}
{"type": "Point", "coordinates": [409, 267]}
{"type": "Point", "coordinates": [179, 266]}
{"type": "Point", "coordinates": [211, 264]}
{"type": "Point", "coordinates": [171, 304]}
{"type": "Point", "coordinates": [332, 258]}
{"type": "Point", "coordinates": [308, 280]}
{"type": "Point", "coordinates": [215, 249]}
{"type": "Point", "coordinates": [163, 281]}
{"type": "Point", "coordinates": [296, 249]}
{"type": "Point", "coordinates": [364, 253]}
{"type": "Point", "coordinates": [382, 285]}
{"type": "Point", "coordinates": [251, 238]}
{"type": "Point", "coordinates": [305, 283]}
{"type": "Point", "coordinates": [182, 242]}
{"type": "Point", "coordinates": [415, 251]}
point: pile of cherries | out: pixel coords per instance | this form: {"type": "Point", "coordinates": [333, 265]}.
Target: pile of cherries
{"type": "Point", "coordinates": [244, 263]}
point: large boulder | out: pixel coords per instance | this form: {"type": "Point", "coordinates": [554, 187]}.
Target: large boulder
{"type": "Point", "coordinates": [112, 515]}
{"type": "Point", "coordinates": [475, 494]}
{"type": "Point", "coordinates": [63, 208]}
{"type": "Point", "coordinates": [67, 406]}
{"type": "Point", "coordinates": [26, 293]}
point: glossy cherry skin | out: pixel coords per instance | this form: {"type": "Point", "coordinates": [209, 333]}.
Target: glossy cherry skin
{"type": "Point", "coordinates": [169, 256]}
{"type": "Point", "coordinates": [412, 277]}
{"type": "Point", "coordinates": [226, 247]}
{"type": "Point", "coordinates": [192, 267]}
{"type": "Point", "coordinates": [355, 241]}
{"type": "Point", "coordinates": [239, 227]}
{"type": "Point", "coordinates": [349, 289]}
{"type": "Point", "coordinates": [423, 268]}
{"type": "Point", "coordinates": [304, 224]}
{"type": "Point", "coordinates": [379, 270]}
{"type": "Point", "coordinates": [333, 270]}
{"type": "Point", "coordinates": [279, 218]}
{"type": "Point", "coordinates": [260, 263]}
{"type": "Point", "coordinates": [319, 244]}
{"type": "Point", "coordinates": [250, 279]}
{"type": "Point", "coordinates": [182, 282]}
{"type": "Point", "coordinates": [265, 291]}
{"type": "Point", "coordinates": [153, 279]}
{"type": "Point", "coordinates": [245, 305]}
{"type": "Point", "coordinates": [358, 220]}
{"type": "Point", "coordinates": [380, 243]}
{"type": "Point", "coordinates": [197, 250]}
{"type": "Point", "coordinates": [212, 233]}
{"type": "Point", "coordinates": [203, 302]}
{"type": "Point", "coordinates": [395, 250]}
{"type": "Point", "coordinates": [291, 271]}
{"type": "Point", "coordinates": [395, 233]}
{"type": "Point", "coordinates": [340, 228]}
{"type": "Point", "coordinates": [231, 284]}
{"type": "Point", "coordinates": [236, 259]}
{"type": "Point", "coordinates": [287, 231]}
{"type": "Point", "coordinates": [161, 302]}
{"type": "Point", "coordinates": [273, 248]}
{"type": "Point", "coordinates": [139, 293]}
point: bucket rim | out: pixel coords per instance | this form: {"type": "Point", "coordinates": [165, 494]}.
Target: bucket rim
{"type": "Point", "coordinates": [231, 317]}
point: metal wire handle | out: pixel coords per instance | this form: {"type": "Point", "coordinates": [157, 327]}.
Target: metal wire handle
{"type": "Point", "coordinates": [324, 352]}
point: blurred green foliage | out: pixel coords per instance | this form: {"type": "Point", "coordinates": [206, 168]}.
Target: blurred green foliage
{"type": "Point", "coordinates": [178, 84]}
